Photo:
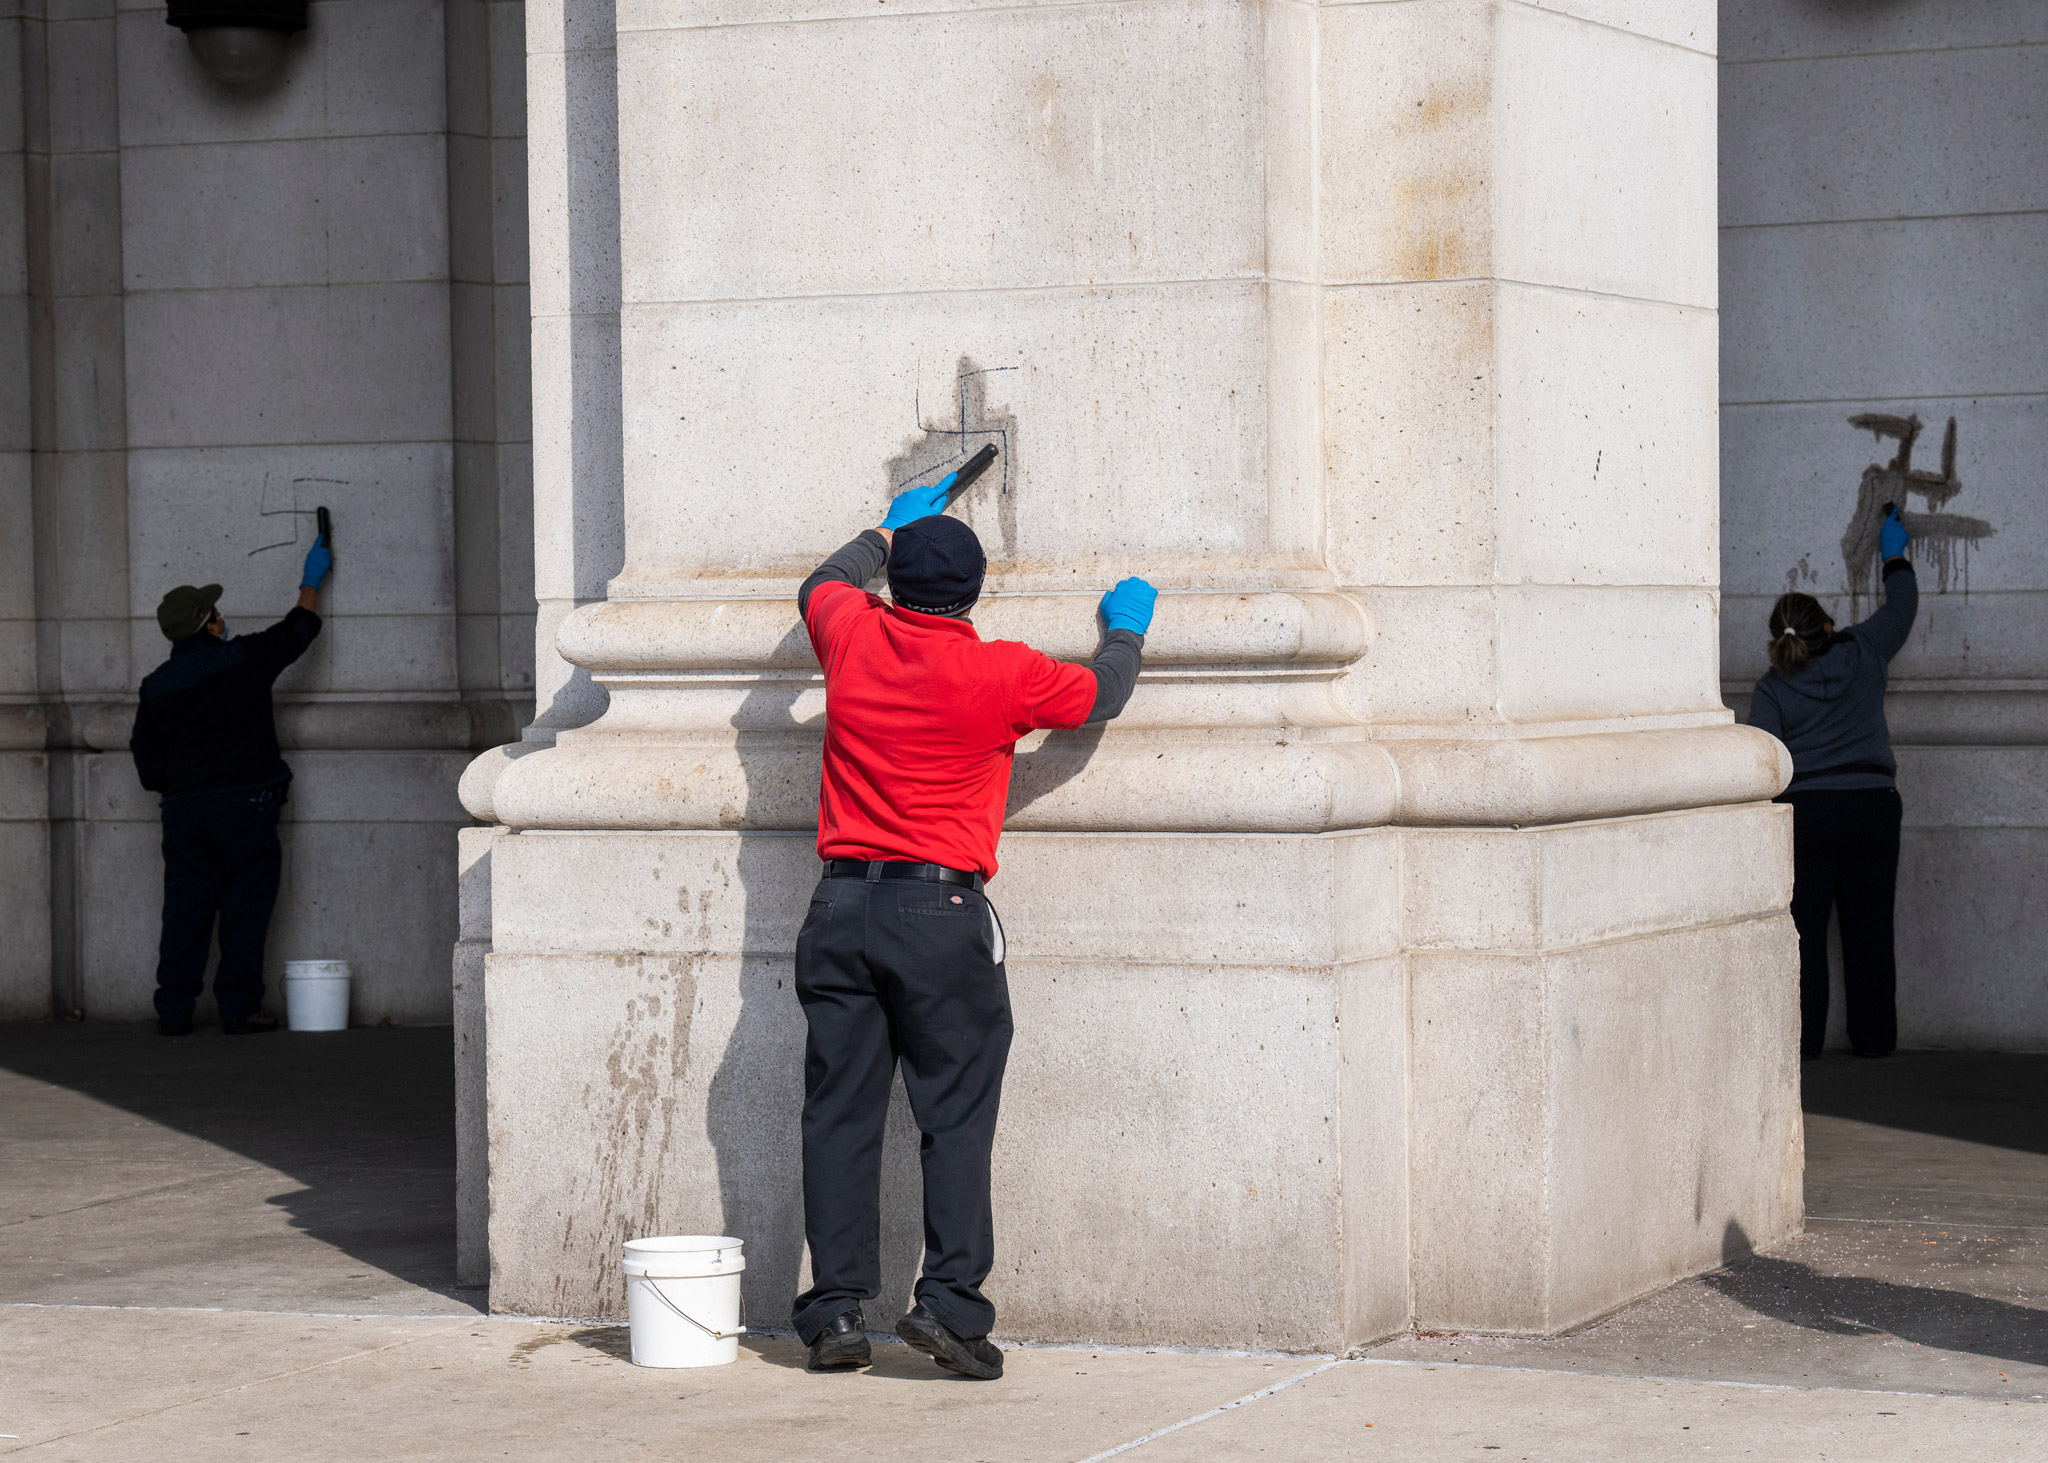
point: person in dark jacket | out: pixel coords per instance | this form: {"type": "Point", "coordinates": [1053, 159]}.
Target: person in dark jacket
{"type": "Point", "coordinates": [1824, 699]}
{"type": "Point", "coordinates": [205, 741]}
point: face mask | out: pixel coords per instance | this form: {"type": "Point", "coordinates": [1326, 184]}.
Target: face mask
{"type": "Point", "coordinates": [224, 627]}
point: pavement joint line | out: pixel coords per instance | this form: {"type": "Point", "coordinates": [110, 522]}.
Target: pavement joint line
{"type": "Point", "coordinates": [114, 1199]}
{"type": "Point", "coordinates": [38, 1305]}
{"type": "Point", "coordinates": [1920, 1224]}
{"type": "Point", "coordinates": [242, 1386]}
{"type": "Point", "coordinates": [1551, 1371]}
{"type": "Point", "coordinates": [1212, 1412]}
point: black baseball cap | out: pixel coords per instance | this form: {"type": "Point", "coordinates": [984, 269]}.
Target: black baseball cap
{"type": "Point", "coordinates": [186, 609]}
{"type": "Point", "coordinates": [936, 565]}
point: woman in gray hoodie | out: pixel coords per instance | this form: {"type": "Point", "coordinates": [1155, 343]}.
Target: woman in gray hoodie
{"type": "Point", "coordinates": [1823, 697]}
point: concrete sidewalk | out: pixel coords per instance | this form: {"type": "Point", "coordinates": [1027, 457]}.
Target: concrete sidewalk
{"type": "Point", "coordinates": [219, 1249]}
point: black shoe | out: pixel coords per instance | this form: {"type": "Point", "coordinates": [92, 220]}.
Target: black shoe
{"type": "Point", "coordinates": [971, 1356]}
{"type": "Point", "coordinates": [174, 1026]}
{"type": "Point", "coordinates": [249, 1025]}
{"type": "Point", "coordinates": [842, 1344]}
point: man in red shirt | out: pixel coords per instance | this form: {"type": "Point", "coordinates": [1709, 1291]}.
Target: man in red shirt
{"type": "Point", "coordinates": [901, 956]}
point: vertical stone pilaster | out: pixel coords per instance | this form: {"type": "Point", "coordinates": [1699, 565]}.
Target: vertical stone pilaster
{"type": "Point", "coordinates": [1381, 338]}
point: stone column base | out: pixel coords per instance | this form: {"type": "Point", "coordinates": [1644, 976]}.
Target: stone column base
{"type": "Point", "coordinates": [1268, 1090]}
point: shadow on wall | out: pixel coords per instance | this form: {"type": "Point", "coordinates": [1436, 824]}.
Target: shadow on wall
{"type": "Point", "coordinates": [1857, 1305]}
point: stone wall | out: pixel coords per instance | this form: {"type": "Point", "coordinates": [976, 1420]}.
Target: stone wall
{"type": "Point", "coordinates": [1884, 249]}
{"type": "Point", "coordinates": [242, 303]}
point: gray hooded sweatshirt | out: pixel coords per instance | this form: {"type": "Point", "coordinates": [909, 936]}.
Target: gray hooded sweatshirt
{"type": "Point", "coordinates": [1831, 714]}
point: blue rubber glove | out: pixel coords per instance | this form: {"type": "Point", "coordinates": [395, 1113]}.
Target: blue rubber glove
{"type": "Point", "coordinates": [319, 559]}
{"type": "Point", "coordinates": [1892, 538]}
{"type": "Point", "coordinates": [915, 503]}
{"type": "Point", "coordinates": [1129, 606]}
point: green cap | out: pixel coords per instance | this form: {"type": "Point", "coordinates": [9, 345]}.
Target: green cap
{"type": "Point", "coordinates": [186, 609]}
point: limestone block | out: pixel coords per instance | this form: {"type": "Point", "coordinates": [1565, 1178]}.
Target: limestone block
{"type": "Point", "coordinates": [1797, 296]}
{"type": "Point", "coordinates": [1569, 438]}
{"type": "Point", "coordinates": [677, 14]}
{"type": "Point", "coordinates": [1970, 937]}
{"type": "Point", "coordinates": [1607, 430]}
{"type": "Point", "coordinates": [575, 25]}
{"type": "Point", "coordinates": [25, 892]}
{"type": "Point", "coordinates": [684, 1074]}
{"type": "Point", "coordinates": [378, 787]}
{"type": "Point", "coordinates": [472, 1117]}
{"type": "Point", "coordinates": [17, 550]}
{"type": "Point", "coordinates": [85, 387]}
{"type": "Point", "coordinates": [1262, 629]}
{"type": "Point", "coordinates": [1293, 900]}
{"type": "Point", "coordinates": [1468, 139]}
{"type": "Point", "coordinates": [25, 909]}
{"type": "Point", "coordinates": [577, 508]}
{"type": "Point", "coordinates": [343, 363]}
{"type": "Point", "coordinates": [573, 177]}
{"type": "Point", "coordinates": [1687, 23]}
{"type": "Point", "coordinates": [342, 210]}
{"type": "Point", "coordinates": [1044, 146]}
{"type": "Point", "coordinates": [1773, 173]}
{"type": "Point", "coordinates": [1160, 464]}
{"type": "Point", "coordinates": [1582, 883]}
{"type": "Point", "coordinates": [1535, 654]}
{"type": "Point", "coordinates": [80, 83]}
{"type": "Point", "coordinates": [13, 238]}
{"type": "Point", "coordinates": [84, 192]}
{"type": "Point", "coordinates": [121, 889]}
{"type": "Point", "coordinates": [1761, 30]}
{"type": "Point", "coordinates": [1587, 1124]}
{"type": "Point", "coordinates": [1410, 505]}
{"type": "Point", "coordinates": [1974, 787]}
{"type": "Point", "coordinates": [378, 895]}
{"type": "Point", "coordinates": [361, 67]}
{"type": "Point", "coordinates": [88, 492]}
{"type": "Point", "coordinates": [1790, 472]}
{"type": "Point", "coordinates": [243, 517]}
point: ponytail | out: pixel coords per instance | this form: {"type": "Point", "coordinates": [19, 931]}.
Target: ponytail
{"type": "Point", "coordinates": [1799, 627]}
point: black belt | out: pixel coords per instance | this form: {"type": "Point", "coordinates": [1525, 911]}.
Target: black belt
{"type": "Point", "coordinates": [1870, 769]}
{"type": "Point", "coordinates": [871, 870]}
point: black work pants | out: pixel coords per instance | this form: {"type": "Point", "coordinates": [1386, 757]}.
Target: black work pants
{"type": "Point", "coordinates": [905, 971]}
{"type": "Point", "coordinates": [1845, 858]}
{"type": "Point", "coordinates": [221, 861]}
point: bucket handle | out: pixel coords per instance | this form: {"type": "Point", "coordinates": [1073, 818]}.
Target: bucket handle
{"type": "Point", "coordinates": [715, 1335]}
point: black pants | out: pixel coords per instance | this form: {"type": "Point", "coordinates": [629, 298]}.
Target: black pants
{"type": "Point", "coordinates": [900, 971]}
{"type": "Point", "coordinates": [221, 859]}
{"type": "Point", "coordinates": [1845, 857]}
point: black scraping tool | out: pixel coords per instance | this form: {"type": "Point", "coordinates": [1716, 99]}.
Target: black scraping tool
{"type": "Point", "coordinates": [975, 467]}
{"type": "Point", "coordinates": [326, 526]}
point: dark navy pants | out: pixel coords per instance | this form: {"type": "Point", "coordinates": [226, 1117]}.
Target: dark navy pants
{"type": "Point", "coordinates": [1845, 859]}
{"type": "Point", "coordinates": [888, 972]}
{"type": "Point", "coordinates": [221, 862]}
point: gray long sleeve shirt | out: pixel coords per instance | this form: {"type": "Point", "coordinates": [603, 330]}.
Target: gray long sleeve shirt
{"type": "Point", "coordinates": [1831, 713]}
{"type": "Point", "coordinates": [1116, 664]}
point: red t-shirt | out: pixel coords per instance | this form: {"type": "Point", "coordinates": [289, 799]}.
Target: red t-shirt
{"type": "Point", "coordinates": [921, 718]}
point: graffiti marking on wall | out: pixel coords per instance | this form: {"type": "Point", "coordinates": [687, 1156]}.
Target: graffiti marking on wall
{"type": "Point", "coordinates": [1941, 541]}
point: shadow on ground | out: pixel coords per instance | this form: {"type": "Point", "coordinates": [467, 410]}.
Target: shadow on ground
{"type": "Point", "coordinates": [1997, 1098]}
{"type": "Point", "coordinates": [363, 1120]}
{"type": "Point", "coordinates": [1796, 1294]}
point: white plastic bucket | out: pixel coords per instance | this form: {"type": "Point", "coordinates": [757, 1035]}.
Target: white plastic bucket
{"type": "Point", "coordinates": [316, 995]}
{"type": "Point", "coordinates": [683, 1299]}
